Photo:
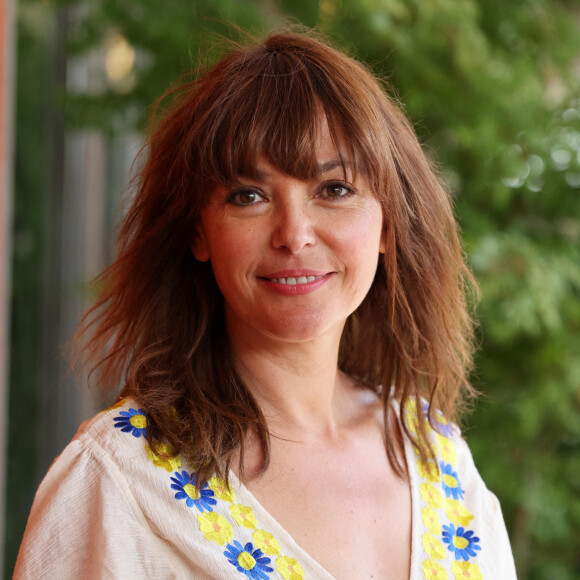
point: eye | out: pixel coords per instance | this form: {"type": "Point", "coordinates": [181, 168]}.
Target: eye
{"type": "Point", "coordinates": [245, 197]}
{"type": "Point", "coordinates": [336, 190]}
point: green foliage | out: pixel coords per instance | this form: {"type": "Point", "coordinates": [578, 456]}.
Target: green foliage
{"type": "Point", "coordinates": [168, 40]}
{"type": "Point", "coordinates": [491, 88]}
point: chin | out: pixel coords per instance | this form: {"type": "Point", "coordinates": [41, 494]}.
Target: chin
{"type": "Point", "coordinates": [303, 327]}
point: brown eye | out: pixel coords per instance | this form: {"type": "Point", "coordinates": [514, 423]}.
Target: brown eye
{"type": "Point", "coordinates": [337, 190]}
{"type": "Point", "coordinates": [245, 197]}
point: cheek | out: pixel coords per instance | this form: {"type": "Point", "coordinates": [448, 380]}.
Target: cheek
{"type": "Point", "coordinates": [227, 243]}
{"type": "Point", "coordinates": [361, 247]}
{"type": "Point", "coordinates": [363, 235]}
{"type": "Point", "coordinates": [231, 251]}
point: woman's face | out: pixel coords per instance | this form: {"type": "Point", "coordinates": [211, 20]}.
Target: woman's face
{"type": "Point", "coordinates": [293, 259]}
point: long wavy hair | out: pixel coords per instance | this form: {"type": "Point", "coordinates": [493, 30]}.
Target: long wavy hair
{"type": "Point", "coordinates": [156, 331]}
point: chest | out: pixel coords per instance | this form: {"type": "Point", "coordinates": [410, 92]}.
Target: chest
{"type": "Point", "coordinates": [346, 508]}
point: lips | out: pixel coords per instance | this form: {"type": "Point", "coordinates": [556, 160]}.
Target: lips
{"type": "Point", "coordinates": [294, 273]}
{"type": "Point", "coordinates": [296, 282]}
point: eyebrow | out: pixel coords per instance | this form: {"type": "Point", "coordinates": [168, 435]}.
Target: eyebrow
{"type": "Point", "coordinates": [333, 164]}
{"type": "Point", "coordinates": [326, 167]}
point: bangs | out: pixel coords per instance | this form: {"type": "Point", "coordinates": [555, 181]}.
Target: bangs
{"type": "Point", "coordinates": [271, 101]}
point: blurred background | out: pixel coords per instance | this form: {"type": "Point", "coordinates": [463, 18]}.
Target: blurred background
{"type": "Point", "coordinates": [493, 88]}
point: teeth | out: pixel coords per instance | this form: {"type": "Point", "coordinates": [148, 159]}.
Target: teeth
{"type": "Point", "coordinates": [291, 281]}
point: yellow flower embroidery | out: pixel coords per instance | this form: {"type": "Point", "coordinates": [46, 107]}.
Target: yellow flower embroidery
{"type": "Point", "coordinates": [463, 570]}
{"type": "Point", "coordinates": [433, 571]}
{"type": "Point", "coordinates": [411, 415]}
{"type": "Point", "coordinates": [289, 568]}
{"type": "Point", "coordinates": [266, 542]}
{"type": "Point", "coordinates": [215, 528]}
{"type": "Point", "coordinates": [116, 405]}
{"type": "Point", "coordinates": [428, 470]}
{"type": "Point", "coordinates": [431, 520]}
{"type": "Point", "coordinates": [447, 449]}
{"type": "Point", "coordinates": [221, 489]}
{"type": "Point", "coordinates": [244, 516]}
{"type": "Point", "coordinates": [457, 513]}
{"type": "Point", "coordinates": [430, 495]}
{"type": "Point", "coordinates": [165, 458]}
{"type": "Point", "coordinates": [433, 547]}
{"type": "Point", "coordinates": [440, 422]}
{"type": "Point", "coordinates": [413, 426]}
{"type": "Point", "coordinates": [246, 560]}
{"type": "Point", "coordinates": [410, 407]}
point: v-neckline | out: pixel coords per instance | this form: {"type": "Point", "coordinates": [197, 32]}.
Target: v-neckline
{"type": "Point", "coordinates": [279, 531]}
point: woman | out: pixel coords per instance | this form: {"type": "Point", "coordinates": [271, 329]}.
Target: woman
{"type": "Point", "coordinates": [287, 319]}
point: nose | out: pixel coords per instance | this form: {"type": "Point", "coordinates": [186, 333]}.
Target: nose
{"type": "Point", "coordinates": [293, 228]}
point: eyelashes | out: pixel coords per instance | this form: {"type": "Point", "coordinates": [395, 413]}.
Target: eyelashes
{"type": "Point", "coordinates": [249, 196]}
{"type": "Point", "coordinates": [245, 197]}
{"type": "Point", "coordinates": [337, 190]}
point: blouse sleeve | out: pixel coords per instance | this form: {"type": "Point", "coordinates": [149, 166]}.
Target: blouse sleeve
{"type": "Point", "coordinates": [496, 553]}
{"type": "Point", "coordinates": [84, 523]}
{"type": "Point", "coordinates": [458, 528]}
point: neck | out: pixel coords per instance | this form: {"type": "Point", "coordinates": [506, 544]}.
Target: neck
{"type": "Point", "coordinates": [297, 384]}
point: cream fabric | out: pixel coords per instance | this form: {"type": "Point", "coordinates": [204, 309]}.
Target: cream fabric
{"type": "Point", "coordinates": [107, 509]}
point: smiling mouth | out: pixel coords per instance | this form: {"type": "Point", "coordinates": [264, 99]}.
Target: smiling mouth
{"type": "Point", "coordinates": [294, 281]}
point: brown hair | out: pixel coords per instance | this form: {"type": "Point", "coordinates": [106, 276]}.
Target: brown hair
{"type": "Point", "coordinates": [157, 327]}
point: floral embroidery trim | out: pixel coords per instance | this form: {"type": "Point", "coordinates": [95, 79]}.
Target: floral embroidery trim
{"type": "Point", "coordinates": [165, 457]}
{"type": "Point", "coordinates": [450, 481]}
{"type": "Point", "coordinates": [132, 421]}
{"type": "Point", "coordinates": [251, 560]}
{"type": "Point", "coordinates": [462, 542]}
{"type": "Point", "coordinates": [428, 470]}
{"type": "Point", "coordinates": [431, 520]}
{"type": "Point", "coordinates": [289, 568]}
{"type": "Point", "coordinates": [430, 495]}
{"type": "Point", "coordinates": [184, 483]}
{"type": "Point", "coordinates": [457, 513]}
{"type": "Point", "coordinates": [462, 570]}
{"type": "Point", "coordinates": [447, 449]}
{"type": "Point", "coordinates": [437, 421]}
{"type": "Point", "coordinates": [266, 542]}
{"type": "Point", "coordinates": [433, 547]}
{"type": "Point", "coordinates": [215, 528]}
{"type": "Point", "coordinates": [441, 493]}
{"type": "Point", "coordinates": [221, 490]}
{"type": "Point", "coordinates": [433, 570]}
{"type": "Point", "coordinates": [248, 560]}
{"type": "Point", "coordinates": [244, 516]}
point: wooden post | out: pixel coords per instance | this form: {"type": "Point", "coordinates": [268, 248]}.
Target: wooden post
{"type": "Point", "coordinates": [7, 33]}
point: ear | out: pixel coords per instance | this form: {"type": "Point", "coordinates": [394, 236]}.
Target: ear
{"type": "Point", "coordinates": [199, 245]}
{"type": "Point", "coordinates": [383, 244]}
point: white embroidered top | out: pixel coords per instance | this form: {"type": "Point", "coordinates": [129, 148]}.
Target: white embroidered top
{"type": "Point", "coordinates": [110, 508]}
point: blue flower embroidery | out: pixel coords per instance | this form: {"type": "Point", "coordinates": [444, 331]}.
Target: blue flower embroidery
{"type": "Point", "coordinates": [248, 561]}
{"type": "Point", "coordinates": [132, 421]}
{"type": "Point", "coordinates": [450, 481]}
{"type": "Point", "coordinates": [184, 483]}
{"type": "Point", "coordinates": [463, 543]}
{"type": "Point", "coordinates": [438, 421]}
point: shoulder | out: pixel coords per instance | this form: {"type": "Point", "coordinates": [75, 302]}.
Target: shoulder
{"type": "Point", "coordinates": [106, 427]}
{"type": "Point", "coordinates": [87, 515]}
{"type": "Point", "coordinates": [458, 520]}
